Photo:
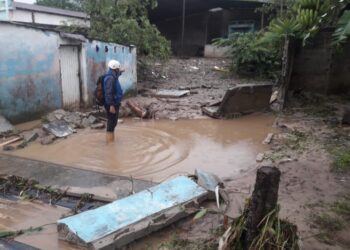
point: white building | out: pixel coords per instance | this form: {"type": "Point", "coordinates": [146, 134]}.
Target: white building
{"type": "Point", "coordinates": [40, 15]}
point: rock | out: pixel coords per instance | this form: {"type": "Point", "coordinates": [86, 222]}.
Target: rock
{"type": "Point", "coordinates": [274, 97]}
{"type": "Point", "coordinates": [268, 138]}
{"type": "Point", "coordinates": [5, 126]}
{"type": "Point", "coordinates": [73, 118]}
{"type": "Point", "coordinates": [85, 123]}
{"type": "Point", "coordinates": [260, 157]}
{"type": "Point", "coordinates": [59, 128]}
{"type": "Point", "coordinates": [120, 121]}
{"type": "Point", "coordinates": [48, 140]}
{"type": "Point", "coordinates": [92, 119]}
{"type": "Point", "coordinates": [346, 117]}
{"type": "Point", "coordinates": [30, 136]}
{"type": "Point", "coordinates": [8, 148]}
{"type": "Point", "coordinates": [51, 117]}
{"type": "Point", "coordinates": [59, 114]}
{"type": "Point", "coordinates": [98, 126]}
{"type": "Point", "coordinates": [23, 144]}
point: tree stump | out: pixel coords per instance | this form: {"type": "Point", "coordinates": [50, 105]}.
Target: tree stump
{"type": "Point", "coordinates": [264, 200]}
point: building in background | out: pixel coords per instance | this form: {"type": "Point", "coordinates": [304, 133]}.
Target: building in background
{"type": "Point", "coordinates": [40, 15]}
{"type": "Point", "coordinates": [191, 25]}
{"type": "Point", "coordinates": [42, 70]}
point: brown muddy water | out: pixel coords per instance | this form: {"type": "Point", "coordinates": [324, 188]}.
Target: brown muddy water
{"type": "Point", "coordinates": [157, 150]}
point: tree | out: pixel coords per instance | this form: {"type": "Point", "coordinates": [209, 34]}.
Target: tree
{"type": "Point", "coordinates": [120, 21]}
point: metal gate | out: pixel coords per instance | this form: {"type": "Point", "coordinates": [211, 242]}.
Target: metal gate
{"type": "Point", "coordinates": [69, 62]}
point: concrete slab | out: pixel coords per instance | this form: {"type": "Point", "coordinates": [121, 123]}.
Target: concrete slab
{"type": "Point", "coordinates": [130, 218]}
{"type": "Point", "coordinates": [242, 99]}
{"type": "Point", "coordinates": [172, 93]}
{"type": "Point", "coordinates": [81, 181]}
{"type": "Point", "coordinates": [5, 126]}
{"type": "Point", "coordinates": [59, 128]}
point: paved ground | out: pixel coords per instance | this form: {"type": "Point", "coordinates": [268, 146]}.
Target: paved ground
{"type": "Point", "coordinates": [80, 181]}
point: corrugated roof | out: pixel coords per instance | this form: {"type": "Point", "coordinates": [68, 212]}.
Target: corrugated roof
{"type": "Point", "coordinates": [49, 10]}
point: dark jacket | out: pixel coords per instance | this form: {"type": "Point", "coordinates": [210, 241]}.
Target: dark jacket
{"type": "Point", "coordinates": [112, 90]}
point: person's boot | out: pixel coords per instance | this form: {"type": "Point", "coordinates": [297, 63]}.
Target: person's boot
{"type": "Point", "coordinates": [109, 137]}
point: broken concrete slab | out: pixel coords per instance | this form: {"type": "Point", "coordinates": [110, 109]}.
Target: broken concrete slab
{"type": "Point", "coordinates": [125, 220]}
{"type": "Point", "coordinates": [5, 126]}
{"type": "Point", "coordinates": [268, 138]}
{"type": "Point", "coordinates": [30, 136]}
{"type": "Point", "coordinates": [241, 99]}
{"type": "Point", "coordinates": [208, 181]}
{"type": "Point", "coordinates": [59, 128]}
{"type": "Point", "coordinates": [98, 126]}
{"type": "Point", "coordinates": [73, 118]}
{"type": "Point", "coordinates": [171, 93]}
{"type": "Point", "coordinates": [47, 140]}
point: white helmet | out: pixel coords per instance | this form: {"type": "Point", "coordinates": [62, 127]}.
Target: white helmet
{"type": "Point", "coordinates": [114, 64]}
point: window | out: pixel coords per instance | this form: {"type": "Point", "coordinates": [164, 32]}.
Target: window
{"type": "Point", "coordinates": [243, 26]}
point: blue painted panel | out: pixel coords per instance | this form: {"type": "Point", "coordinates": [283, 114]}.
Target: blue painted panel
{"type": "Point", "coordinates": [95, 224]}
{"type": "Point", "coordinates": [98, 57]}
{"type": "Point", "coordinates": [29, 73]}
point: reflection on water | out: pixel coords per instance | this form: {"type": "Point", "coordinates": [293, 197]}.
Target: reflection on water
{"type": "Point", "coordinates": [156, 150]}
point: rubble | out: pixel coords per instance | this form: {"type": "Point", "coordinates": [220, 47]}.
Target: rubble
{"type": "Point", "coordinates": [346, 117]}
{"type": "Point", "coordinates": [5, 126]}
{"type": "Point", "coordinates": [59, 128]}
{"type": "Point", "coordinates": [47, 140]}
{"type": "Point", "coordinates": [268, 138]}
{"type": "Point", "coordinates": [171, 93]}
{"type": "Point", "coordinates": [242, 99]}
{"type": "Point", "coordinates": [260, 157]}
{"type": "Point", "coordinates": [98, 126]}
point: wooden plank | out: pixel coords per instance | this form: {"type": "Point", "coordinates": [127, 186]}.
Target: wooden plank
{"type": "Point", "coordinates": [11, 141]}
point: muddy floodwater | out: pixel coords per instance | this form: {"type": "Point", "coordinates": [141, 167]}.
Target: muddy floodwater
{"type": "Point", "coordinates": [157, 150]}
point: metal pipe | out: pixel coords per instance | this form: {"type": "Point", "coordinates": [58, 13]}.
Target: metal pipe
{"type": "Point", "coordinates": [183, 25]}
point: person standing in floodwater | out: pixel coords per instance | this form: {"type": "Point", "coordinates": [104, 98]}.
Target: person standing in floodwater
{"type": "Point", "coordinates": [113, 95]}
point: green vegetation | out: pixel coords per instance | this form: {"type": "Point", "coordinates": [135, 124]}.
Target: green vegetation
{"type": "Point", "coordinates": [341, 160]}
{"type": "Point", "coordinates": [342, 33]}
{"type": "Point", "coordinates": [249, 58]}
{"type": "Point", "coordinates": [342, 207]}
{"type": "Point", "coordinates": [273, 233]}
{"type": "Point", "coordinates": [261, 52]}
{"type": "Point", "coordinates": [123, 21]}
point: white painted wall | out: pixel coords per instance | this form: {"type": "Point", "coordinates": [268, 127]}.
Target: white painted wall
{"type": "Point", "coordinates": [27, 16]}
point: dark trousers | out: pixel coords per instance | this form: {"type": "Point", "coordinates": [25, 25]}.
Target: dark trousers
{"type": "Point", "coordinates": [112, 119]}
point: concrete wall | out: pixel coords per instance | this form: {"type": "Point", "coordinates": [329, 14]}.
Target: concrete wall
{"type": "Point", "coordinates": [98, 54]}
{"type": "Point", "coordinates": [319, 68]}
{"type": "Point", "coordinates": [29, 72]}
{"type": "Point", "coordinates": [30, 78]}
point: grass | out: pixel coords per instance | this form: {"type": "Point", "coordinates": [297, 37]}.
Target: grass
{"type": "Point", "coordinates": [176, 243]}
{"type": "Point", "coordinates": [328, 223]}
{"type": "Point", "coordinates": [341, 160]}
{"type": "Point", "coordinates": [342, 207]}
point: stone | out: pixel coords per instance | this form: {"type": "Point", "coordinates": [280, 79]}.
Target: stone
{"type": "Point", "coordinates": [47, 140]}
{"type": "Point", "coordinates": [59, 114]}
{"type": "Point", "coordinates": [85, 123]}
{"type": "Point", "coordinates": [22, 145]}
{"type": "Point", "coordinates": [92, 119]}
{"type": "Point", "coordinates": [346, 117]}
{"type": "Point", "coordinates": [5, 126]}
{"type": "Point", "coordinates": [260, 157]}
{"type": "Point", "coordinates": [29, 136]}
{"type": "Point", "coordinates": [8, 148]}
{"type": "Point", "coordinates": [73, 118]}
{"type": "Point", "coordinates": [59, 128]}
{"type": "Point", "coordinates": [98, 126]}
{"type": "Point", "coordinates": [268, 138]}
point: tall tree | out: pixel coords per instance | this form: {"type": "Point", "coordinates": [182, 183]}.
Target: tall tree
{"type": "Point", "coordinates": [121, 21]}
